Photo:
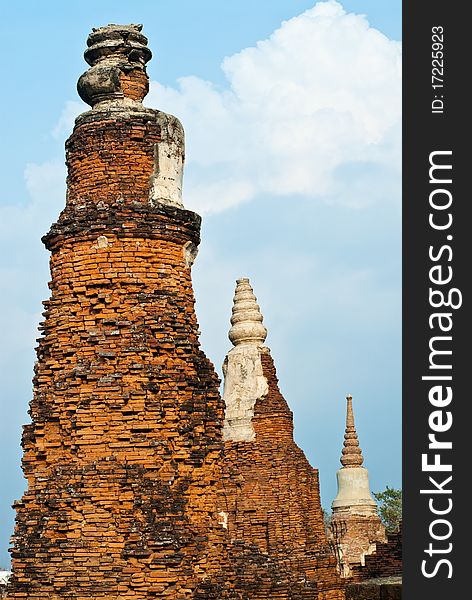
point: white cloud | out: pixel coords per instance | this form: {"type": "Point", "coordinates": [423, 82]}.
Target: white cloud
{"type": "Point", "coordinates": [24, 272]}
{"type": "Point", "coordinates": [319, 98]}
{"type": "Point", "coordinates": [322, 91]}
{"type": "Point", "coordinates": [65, 123]}
{"type": "Point", "coordinates": [45, 184]}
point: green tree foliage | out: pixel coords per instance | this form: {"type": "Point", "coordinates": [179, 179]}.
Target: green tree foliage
{"type": "Point", "coordinates": [390, 508]}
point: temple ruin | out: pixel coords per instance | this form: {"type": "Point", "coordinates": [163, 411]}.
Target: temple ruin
{"type": "Point", "coordinates": [137, 485]}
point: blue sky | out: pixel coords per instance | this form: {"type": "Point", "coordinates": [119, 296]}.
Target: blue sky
{"type": "Point", "coordinates": [293, 160]}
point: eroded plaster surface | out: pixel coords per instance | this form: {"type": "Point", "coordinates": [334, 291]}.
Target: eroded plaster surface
{"type": "Point", "coordinates": [244, 385]}
{"type": "Point", "coordinates": [169, 153]}
{"type": "Point", "coordinates": [354, 492]}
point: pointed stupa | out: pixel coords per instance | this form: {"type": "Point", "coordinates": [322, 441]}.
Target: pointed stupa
{"type": "Point", "coordinates": [353, 478]}
{"type": "Point", "coordinates": [246, 320]}
{"type": "Point", "coordinates": [355, 527]}
{"type": "Point", "coordinates": [244, 381]}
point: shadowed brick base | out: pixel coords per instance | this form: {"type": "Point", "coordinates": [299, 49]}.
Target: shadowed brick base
{"type": "Point", "coordinates": [271, 499]}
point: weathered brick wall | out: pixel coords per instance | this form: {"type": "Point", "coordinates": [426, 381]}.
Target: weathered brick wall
{"type": "Point", "coordinates": [271, 499]}
{"type": "Point", "coordinates": [121, 455]}
{"type": "Point", "coordinates": [354, 537]}
{"type": "Point", "coordinates": [386, 561]}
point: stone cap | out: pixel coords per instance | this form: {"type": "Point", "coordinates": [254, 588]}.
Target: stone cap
{"type": "Point", "coordinates": [246, 320]}
{"type": "Point", "coordinates": [117, 55]}
{"type": "Point", "coordinates": [122, 41]}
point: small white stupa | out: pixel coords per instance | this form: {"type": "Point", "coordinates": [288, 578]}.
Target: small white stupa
{"type": "Point", "coordinates": [355, 528]}
{"type": "Point", "coordinates": [353, 478]}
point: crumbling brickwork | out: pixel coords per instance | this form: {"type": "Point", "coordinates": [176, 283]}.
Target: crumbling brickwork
{"type": "Point", "coordinates": [355, 537]}
{"type": "Point", "coordinates": [122, 453]}
{"type": "Point", "coordinates": [386, 561]}
{"type": "Point", "coordinates": [381, 576]}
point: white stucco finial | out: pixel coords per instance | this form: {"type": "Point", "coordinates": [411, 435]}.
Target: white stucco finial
{"type": "Point", "coordinates": [246, 320]}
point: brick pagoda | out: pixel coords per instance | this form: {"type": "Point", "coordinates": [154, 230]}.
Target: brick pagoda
{"type": "Point", "coordinates": [271, 493]}
{"type": "Point", "coordinates": [121, 456]}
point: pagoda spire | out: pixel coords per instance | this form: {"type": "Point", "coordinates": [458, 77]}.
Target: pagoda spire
{"type": "Point", "coordinates": [351, 453]}
{"type": "Point", "coordinates": [246, 319]}
{"type": "Point", "coordinates": [244, 380]}
{"type": "Point", "coordinates": [353, 479]}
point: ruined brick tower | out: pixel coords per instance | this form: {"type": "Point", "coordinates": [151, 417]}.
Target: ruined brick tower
{"type": "Point", "coordinates": [132, 492]}
{"type": "Point", "coordinates": [122, 451]}
{"type": "Point", "coordinates": [271, 494]}
{"type": "Point", "coordinates": [355, 527]}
